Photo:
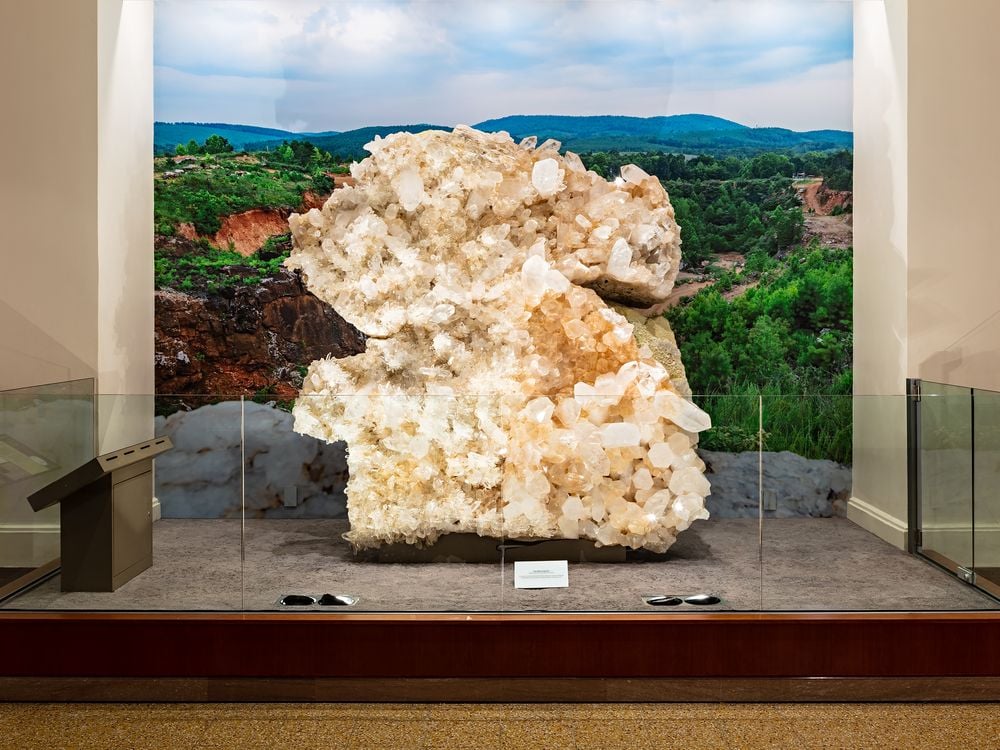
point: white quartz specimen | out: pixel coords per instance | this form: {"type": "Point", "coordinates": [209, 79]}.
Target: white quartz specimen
{"type": "Point", "coordinates": [546, 176]}
{"type": "Point", "coordinates": [620, 435]}
{"type": "Point", "coordinates": [499, 393]}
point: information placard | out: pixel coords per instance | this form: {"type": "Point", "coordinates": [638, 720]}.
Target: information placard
{"type": "Point", "coordinates": [541, 574]}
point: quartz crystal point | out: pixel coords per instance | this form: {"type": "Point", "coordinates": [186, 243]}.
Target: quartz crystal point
{"type": "Point", "coordinates": [499, 393]}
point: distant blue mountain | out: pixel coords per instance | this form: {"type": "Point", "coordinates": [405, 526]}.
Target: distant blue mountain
{"type": "Point", "coordinates": [350, 143]}
{"type": "Point", "coordinates": [567, 126]}
{"type": "Point", "coordinates": [691, 133]}
{"type": "Point", "coordinates": [167, 135]}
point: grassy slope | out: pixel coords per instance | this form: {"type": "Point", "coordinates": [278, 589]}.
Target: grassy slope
{"type": "Point", "coordinates": [212, 187]}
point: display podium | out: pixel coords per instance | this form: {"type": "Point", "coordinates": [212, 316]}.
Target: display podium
{"type": "Point", "coordinates": [106, 535]}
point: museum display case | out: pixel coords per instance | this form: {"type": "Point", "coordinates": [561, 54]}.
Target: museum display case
{"type": "Point", "coordinates": [253, 516]}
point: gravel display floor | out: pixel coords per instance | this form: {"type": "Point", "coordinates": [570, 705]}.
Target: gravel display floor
{"type": "Point", "coordinates": [804, 564]}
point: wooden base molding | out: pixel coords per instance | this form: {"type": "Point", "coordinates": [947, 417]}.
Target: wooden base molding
{"type": "Point", "coordinates": [499, 656]}
{"type": "Point", "coordinates": [506, 690]}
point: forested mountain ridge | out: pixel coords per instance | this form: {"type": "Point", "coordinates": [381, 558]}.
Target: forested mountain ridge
{"type": "Point", "coordinates": [689, 133]}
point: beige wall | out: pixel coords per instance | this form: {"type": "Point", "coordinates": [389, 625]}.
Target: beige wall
{"type": "Point", "coordinates": [76, 284]}
{"type": "Point", "coordinates": [76, 193]}
{"type": "Point", "coordinates": [879, 499]}
{"type": "Point", "coordinates": [125, 222]}
{"type": "Point", "coordinates": [927, 265]}
{"type": "Point", "coordinates": [954, 245]}
{"type": "Point", "coordinates": [48, 285]}
{"type": "Point", "coordinates": [954, 253]}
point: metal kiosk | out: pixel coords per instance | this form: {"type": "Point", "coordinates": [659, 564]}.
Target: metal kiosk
{"type": "Point", "coordinates": [106, 535]}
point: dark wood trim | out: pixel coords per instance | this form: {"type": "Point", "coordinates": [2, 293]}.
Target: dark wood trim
{"type": "Point", "coordinates": [509, 690]}
{"type": "Point", "coordinates": [940, 560]}
{"type": "Point", "coordinates": [492, 646]}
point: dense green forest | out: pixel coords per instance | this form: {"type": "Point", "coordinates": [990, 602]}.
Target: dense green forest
{"type": "Point", "coordinates": [777, 331]}
{"type": "Point", "coordinates": [786, 338]}
{"type": "Point", "coordinates": [732, 204]}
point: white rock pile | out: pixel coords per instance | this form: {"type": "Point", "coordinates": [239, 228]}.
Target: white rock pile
{"type": "Point", "coordinates": [213, 460]}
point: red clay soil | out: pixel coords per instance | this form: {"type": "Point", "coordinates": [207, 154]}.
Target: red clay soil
{"type": "Point", "coordinates": [249, 230]}
{"type": "Point", "coordinates": [821, 201]}
{"type": "Point", "coordinates": [253, 338]}
{"type": "Point", "coordinates": [311, 200]}
{"type": "Point", "coordinates": [187, 231]}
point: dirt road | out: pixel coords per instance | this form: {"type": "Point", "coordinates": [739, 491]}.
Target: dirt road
{"type": "Point", "coordinates": [819, 203]}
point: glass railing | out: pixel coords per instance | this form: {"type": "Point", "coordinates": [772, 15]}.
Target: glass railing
{"type": "Point", "coordinates": [957, 458]}
{"type": "Point", "coordinates": [45, 432]}
{"type": "Point", "coordinates": [440, 503]}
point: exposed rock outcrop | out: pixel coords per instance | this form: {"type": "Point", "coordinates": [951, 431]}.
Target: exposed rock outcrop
{"type": "Point", "coordinates": [246, 339]}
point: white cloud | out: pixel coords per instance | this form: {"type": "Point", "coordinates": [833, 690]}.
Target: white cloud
{"type": "Point", "coordinates": [356, 63]}
{"type": "Point", "coordinates": [182, 97]}
{"type": "Point", "coordinates": [817, 99]}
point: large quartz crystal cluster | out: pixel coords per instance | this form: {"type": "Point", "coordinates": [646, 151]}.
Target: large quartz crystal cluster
{"type": "Point", "coordinates": [499, 393]}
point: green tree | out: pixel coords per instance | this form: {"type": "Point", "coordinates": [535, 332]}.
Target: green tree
{"type": "Point", "coordinates": [708, 364]}
{"type": "Point", "coordinates": [216, 144]}
{"type": "Point", "coordinates": [840, 179]}
{"type": "Point", "coordinates": [763, 357]}
{"type": "Point", "coordinates": [285, 152]}
{"type": "Point", "coordinates": [784, 228]}
{"type": "Point", "coordinates": [769, 165]}
{"type": "Point", "coordinates": [302, 151]}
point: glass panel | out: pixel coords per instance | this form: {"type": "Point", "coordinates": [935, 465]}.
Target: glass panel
{"type": "Point", "coordinates": [809, 548]}
{"type": "Point", "coordinates": [986, 480]}
{"type": "Point", "coordinates": [199, 485]}
{"type": "Point", "coordinates": [45, 432]}
{"type": "Point", "coordinates": [423, 462]}
{"type": "Point", "coordinates": [175, 549]}
{"type": "Point", "coordinates": [806, 483]}
{"type": "Point", "coordinates": [945, 461]}
{"type": "Point", "coordinates": [717, 557]}
{"type": "Point", "coordinates": [835, 508]}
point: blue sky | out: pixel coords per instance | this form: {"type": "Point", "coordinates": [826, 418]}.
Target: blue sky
{"type": "Point", "coordinates": [310, 65]}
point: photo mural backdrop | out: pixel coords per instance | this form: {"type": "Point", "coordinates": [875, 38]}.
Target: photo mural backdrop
{"type": "Point", "coordinates": [741, 108]}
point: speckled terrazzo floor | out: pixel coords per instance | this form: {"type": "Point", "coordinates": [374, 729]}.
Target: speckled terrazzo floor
{"type": "Point", "coordinates": [528, 726]}
{"type": "Point", "coordinates": [808, 564]}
